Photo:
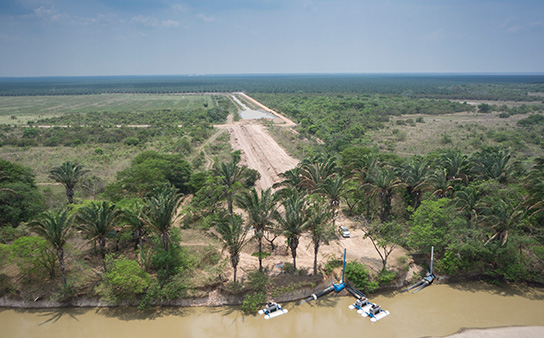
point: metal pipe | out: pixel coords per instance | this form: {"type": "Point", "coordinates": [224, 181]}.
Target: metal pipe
{"type": "Point", "coordinates": [344, 266]}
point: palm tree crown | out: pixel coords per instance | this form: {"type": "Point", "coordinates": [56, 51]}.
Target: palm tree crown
{"type": "Point", "coordinates": [55, 228]}
{"type": "Point", "coordinates": [160, 212]}
{"type": "Point", "coordinates": [68, 174]}
{"type": "Point", "coordinates": [98, 220]}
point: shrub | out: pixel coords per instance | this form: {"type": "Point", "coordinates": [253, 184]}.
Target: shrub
{"type": "Point", "coordinates": [33, 256]}
{"type": "Point", "coordinates": [123, 280]}
{"type": "Point", "coordinates": [450, 264]}
{"type": "Point", "coordinates": [358, 275]}
{"type": "Point", "coordinates": [386, 276]}
{"type": "Point", "coordinates": [445, 139]}
{"type": "Point", "coordinates": [253, 302]}
{"type": "Point", "coordinates": [257, 280]}
{"type": "Point", "coordinates": [132, 141]}
{"type": "Point", "coordinates": [332, 264]}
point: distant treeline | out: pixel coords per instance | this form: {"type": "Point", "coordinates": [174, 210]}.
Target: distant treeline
{"type": "Point", "coordinates": [451, 86]}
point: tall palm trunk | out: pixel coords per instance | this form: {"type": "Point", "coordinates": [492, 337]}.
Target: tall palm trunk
{"type": "Point", "coordinates": [165, 241]}
{"type": "Point", "coordinates": [316, 249]}
{"type": "Point", "coordinates": [229, 202]}
{"type": "Point", "coordinates": [62, 266]}
{"type": "Point", "coordinates": [102, 243]}
{"type": "Point", "coordinates": [260, 240]}
{"type": "Point", "coordinates": [293, 244]}
{"type": "Point", "coordinates": [70, 195]}
{"type": "Point", "coordinates": [234, 260]}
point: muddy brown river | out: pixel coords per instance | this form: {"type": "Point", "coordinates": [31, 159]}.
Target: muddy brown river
{"type": "Point", "coordinates": [436, 311]}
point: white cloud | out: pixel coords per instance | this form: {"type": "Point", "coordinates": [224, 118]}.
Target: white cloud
{"type": "Point", "coordinates": [150, 21]}
{"type": "Point", "coordinates": [205, 18]}
{"type": "Point", "coordinates": [50, 13]}
{"type": "Point", "coordinates": [145, 20]}
{"type": "Point", "coordinates": [169, 23]}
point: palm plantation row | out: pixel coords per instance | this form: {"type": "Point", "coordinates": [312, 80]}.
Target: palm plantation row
{"type": "Point", "coordinates": [473, 209]}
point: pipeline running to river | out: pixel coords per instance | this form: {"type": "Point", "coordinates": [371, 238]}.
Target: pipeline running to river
{"type": "Point", "coordinates": [436, 311]}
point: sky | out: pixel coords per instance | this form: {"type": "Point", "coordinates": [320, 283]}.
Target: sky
{"type": "Point", "coordinates": [177, 37]}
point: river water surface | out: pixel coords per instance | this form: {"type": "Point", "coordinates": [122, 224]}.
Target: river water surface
{"type": "Point", "coordinates": [436, 311]}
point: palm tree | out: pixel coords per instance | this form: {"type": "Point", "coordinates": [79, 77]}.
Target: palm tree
{"type": "Point", "coordinates": [160, 212]}
{"type": "Point", "coordinates": [492, 163]}
{"type": "Point", "coordinates": [382, 183]}
{"type": "Point", "coordinates": [315, 171]}
{"type": "Point", "coordinates": [415, 175]}
{"type": "Point", "coordinates": [234, 237]}
{"type": "Point", "coordinates": [360, 174]}
{"type": "Point", "coordinates": [291, 179]}
{"type": "Point", "coordinates": [292, 221]}
{"type": "Point", "coordinates": [502, 217]}
{"type": "Point", "coordinates": [440, 183]}
{"type": "Point", "coordinates": [56, 229]}
{"type": "Point", "coordinates": [68, 174]}
{"type": "Point", "coordinates": [230, 176]}
{"type": "Point", "coordinates": [260, 210]}
{"type": "Point", "coordinates": [319, 228]}
{"type": "Point", "coordinates": [534, 183]}
{"type": "Point", "coordinates": [333, 188]}
{"type": "Point", "coordinates": [136, 221]}
{"type": "Point", "coordinates": [97, 221]}
{"type": "Point", "coordinates": [456, 165]}
{"type": "Point", "coordinates": [466, 201]}
{"type": "Point", "coordinates": [3, 176]}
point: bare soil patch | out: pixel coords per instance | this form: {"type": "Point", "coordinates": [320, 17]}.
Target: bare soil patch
{"type": "Point", "coordinates": [260, 151]}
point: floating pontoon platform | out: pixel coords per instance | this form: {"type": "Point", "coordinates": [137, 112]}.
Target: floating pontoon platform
{"type": "Point", "coordinates": [272, 310]}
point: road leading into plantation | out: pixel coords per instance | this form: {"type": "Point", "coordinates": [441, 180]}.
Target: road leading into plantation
{"type": "Point", "coordinates": [259, 150]}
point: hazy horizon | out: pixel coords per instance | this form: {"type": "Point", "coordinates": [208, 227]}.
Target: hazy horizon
{"type": "Point", "coordinates": [63, 38]}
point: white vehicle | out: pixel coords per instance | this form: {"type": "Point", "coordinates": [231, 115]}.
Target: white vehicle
{"type": "Point", "coordinates": [344, 231]}
{"type": "Point", "coordinates": [272, 310]}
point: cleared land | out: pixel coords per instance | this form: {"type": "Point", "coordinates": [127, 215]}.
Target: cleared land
{"type": "Point", "coordinates": [260, 152]}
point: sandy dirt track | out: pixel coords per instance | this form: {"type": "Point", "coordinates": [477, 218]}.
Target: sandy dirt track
{"type": "Point", "coordinates": [260, 152]}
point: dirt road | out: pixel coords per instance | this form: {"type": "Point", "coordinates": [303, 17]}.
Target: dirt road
{"type": "Point", "coordinates": [259, 150]}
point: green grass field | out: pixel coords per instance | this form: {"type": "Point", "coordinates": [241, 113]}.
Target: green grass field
{"type": "Point", "coordinates": [112, 157]}
{"type": "Point", "coordinates": [463, 131]}
{"type": "Point", "coordinates": [21, 109]}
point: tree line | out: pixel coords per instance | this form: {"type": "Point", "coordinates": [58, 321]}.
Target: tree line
{"type": "Point", "coordinates": [475, 87]}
